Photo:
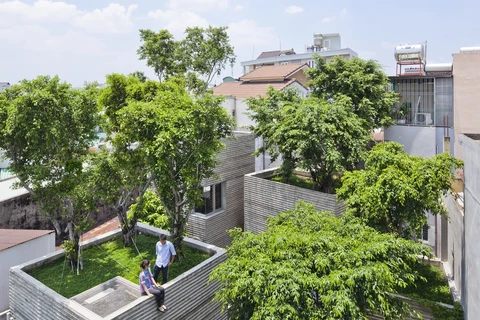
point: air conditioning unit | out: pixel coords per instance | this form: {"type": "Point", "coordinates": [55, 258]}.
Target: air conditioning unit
{"type": "Point", "coordinates": [423, 119]}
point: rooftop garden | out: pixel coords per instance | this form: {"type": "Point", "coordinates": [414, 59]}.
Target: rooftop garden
{"type": "Point", "coordinates": [108, 260]}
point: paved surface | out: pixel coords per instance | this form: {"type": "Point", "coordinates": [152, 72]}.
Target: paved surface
{"type": "Point", "coordinates": [108, 226]}
{"type": "Point", "coordinates": [109, 296]}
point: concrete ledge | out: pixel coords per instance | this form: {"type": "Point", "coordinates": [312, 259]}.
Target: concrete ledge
{"type": "Point", "coordinates": [189, 296]}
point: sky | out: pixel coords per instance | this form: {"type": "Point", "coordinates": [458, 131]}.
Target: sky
{"type": "Point", "coordinates": [84, 40]}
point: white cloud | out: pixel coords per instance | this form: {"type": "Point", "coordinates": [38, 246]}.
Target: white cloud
{"type": "Point", "coordinates": [197, 5]}
{"type": "Point", "coordinates": [177, 21]}
{"type": "Point", "coordinates": [328, 19]}
{"type": "Point", "coordinates": [343, 13]}
{"type": "Point", "coordinates": [247, 33]}
{"type": "Point", "coordinates": [114, 18]}
{"type": "Point", "coordinates": [293, 9]}
{"type": "Point", "coordinates": [238, 7]}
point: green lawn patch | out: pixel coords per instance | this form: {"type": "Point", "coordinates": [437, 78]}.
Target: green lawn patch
{"type": "Point", "coordinates": [294, 180]}
{"type": "Point", "coordinates": [110, 259]}
{"type": "Point", "coordinates": [436, 289]}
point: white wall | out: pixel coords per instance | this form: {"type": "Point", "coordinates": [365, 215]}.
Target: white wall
{"type": "Point", "coordinates": [19, 254]}
{"type": "Point", "coordinates": [417, 140]}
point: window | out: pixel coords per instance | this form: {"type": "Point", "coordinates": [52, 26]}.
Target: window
{"type": "Point", "coordinates": [326, 43]}
{"type": "Point", "coordinates": [425, 233]}
{"type": "Point", "coordinates": [212, 199]}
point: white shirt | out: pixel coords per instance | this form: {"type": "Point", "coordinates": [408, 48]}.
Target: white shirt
{"type": "Point", "coordinates": [164, 252]}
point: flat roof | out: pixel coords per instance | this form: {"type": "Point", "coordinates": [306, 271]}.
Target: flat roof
{"type": "Point", "coordinates": [300, 56]}
{"type": "Point", "coordinates": [13, 237]}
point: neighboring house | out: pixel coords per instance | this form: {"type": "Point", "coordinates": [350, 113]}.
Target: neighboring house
{"type": "Point", "coordinates": [461, 253]}
{"type": "Point", "coordinates": [439, 112]}
{"type": "Point", "coordinates": [222, 207]}
{"type": "Point", "coordinates": [324, 45]}
{"type": "Point", "coordinates": [4, 85]}
{"type": "Point", "coordinates": [466, 93]}
{"type": "Point", "coordinates": [19, 246]}
{"type": "Point", "coordinates": [256, 84]}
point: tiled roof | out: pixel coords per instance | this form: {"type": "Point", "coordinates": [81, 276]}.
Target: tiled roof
{"type": "Point", "coordinates": [249, 89]}
{"type": "Point", "coordinates": [12, 237]}
{"type": "Point", "coordinates": [273, 73]}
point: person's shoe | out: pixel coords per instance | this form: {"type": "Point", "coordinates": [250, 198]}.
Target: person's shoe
{"type": "Point", "coordinates": [161, 309]}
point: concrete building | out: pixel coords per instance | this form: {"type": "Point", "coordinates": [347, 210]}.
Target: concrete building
{"type": "Point", "coordinates": [324, 45]}
{"type": "Point", "coordinates": [222, 208]}
{"type": "Point", "coordinates": [470, 293]}
{"type": "Point", "coordinates": [4, 85]}
{"type": "Point", "coordinates": [466, 77]}
{"type": "Point", "coordinates": [19, 246]}
{"type": "Point", "coordinates": [255, 84]}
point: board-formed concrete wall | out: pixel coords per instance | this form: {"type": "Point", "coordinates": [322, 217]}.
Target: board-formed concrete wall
{"type": "Point", "coordinates": [265, 198]}
{"type": "Point", "coordinates": [188, 296]}
{"type": "Point", "coordinates": [235, 161]}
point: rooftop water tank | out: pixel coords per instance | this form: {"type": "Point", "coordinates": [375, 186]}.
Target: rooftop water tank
{"type": "Point", "coordinates": [410, 53]}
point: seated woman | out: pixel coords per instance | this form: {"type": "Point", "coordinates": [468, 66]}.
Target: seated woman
{"type": "Point", "coordinates": [149, 287]}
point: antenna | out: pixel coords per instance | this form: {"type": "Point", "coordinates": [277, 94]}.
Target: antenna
{"type": "Point", "coordinates": [280, 40]}
{"type": "Point", "coordinates": [253, 51]}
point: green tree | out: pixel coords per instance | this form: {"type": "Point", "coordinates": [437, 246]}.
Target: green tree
{"type": "Point", "coordinates": [139, 75]}
{"type": "Point", "coordinates": [179, 139]}
{"type": "Point", "coordinates": [149, 209]}
{"type": "Point", "coordinates": [202, 55]}
{"type": "Point", "coordinates": [46, 128]}
{"type": "Point", "coordinates": [313, 265]}
{"type": "Point", "coordinates": [363, 81]}
{"type": "Point", "coordinates": [161, 52]}
{"type": "Point", "coordinates": [122, 176]}
{"type": "Point", "coordinates": [395, 190]}
{"type": "Point", "coordinates": [322, 137]}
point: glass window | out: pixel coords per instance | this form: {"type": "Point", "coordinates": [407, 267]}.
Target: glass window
{"type": "Point", "coordinates": [212, 200]}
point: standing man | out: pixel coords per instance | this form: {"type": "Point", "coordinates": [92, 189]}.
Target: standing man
{"type": "Point", "coordinates": [165, 256]}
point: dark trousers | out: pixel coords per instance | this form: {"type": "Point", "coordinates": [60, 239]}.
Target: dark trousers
{"type": "Point", "coordinates": [156, 272]}
{"type": "Point", "coordinates": [159, 294]}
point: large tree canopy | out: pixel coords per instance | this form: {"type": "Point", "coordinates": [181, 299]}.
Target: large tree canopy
{"type": "Point", "coordinates": [395, 190]}
{"type": "Point", "coordinates": [198, 58]}
{"type": "Point", "coordinates": [363, 81]}
{"type": "Point", "coordinates": [178, 139]}
{"type": "Point", "coordinates": [312, 265]}
{"type": "Point", "coordinates": [46, 128]}
{"type": "Point", "coordinates": [322, 137]}
{"type": "Point", "coordinates": [122, 176]}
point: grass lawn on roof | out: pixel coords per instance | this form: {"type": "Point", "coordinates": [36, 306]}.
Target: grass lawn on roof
{"type": "Point", "coordinates": [436, 289]}
{"type": "Point", "coordinates": [108, 260]}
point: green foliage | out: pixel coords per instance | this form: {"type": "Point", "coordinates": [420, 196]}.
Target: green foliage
{"type": "Point", "coordinates": [46, 128]}
{"type": "Point", "coordinates": [149, 210]}
{"type": "Point", "coordinates": [295, 180]}
{"type": "Point", "coordinates": [435, 288]}
{"type": "Point", "coordinates": [363, 81]}
{"type": "Point", "coordinates": [178, 139]}
{"type": "Point", "coordinates": [312, 265]}
{"type": "Point", "coordinates": [395, 189]}
{"type": "Point", "coordinates": [322, 138]}
{"type": "Point", "coordinates": [203, 54]}
{"type": "Point", "coordinates": [109, 260]}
